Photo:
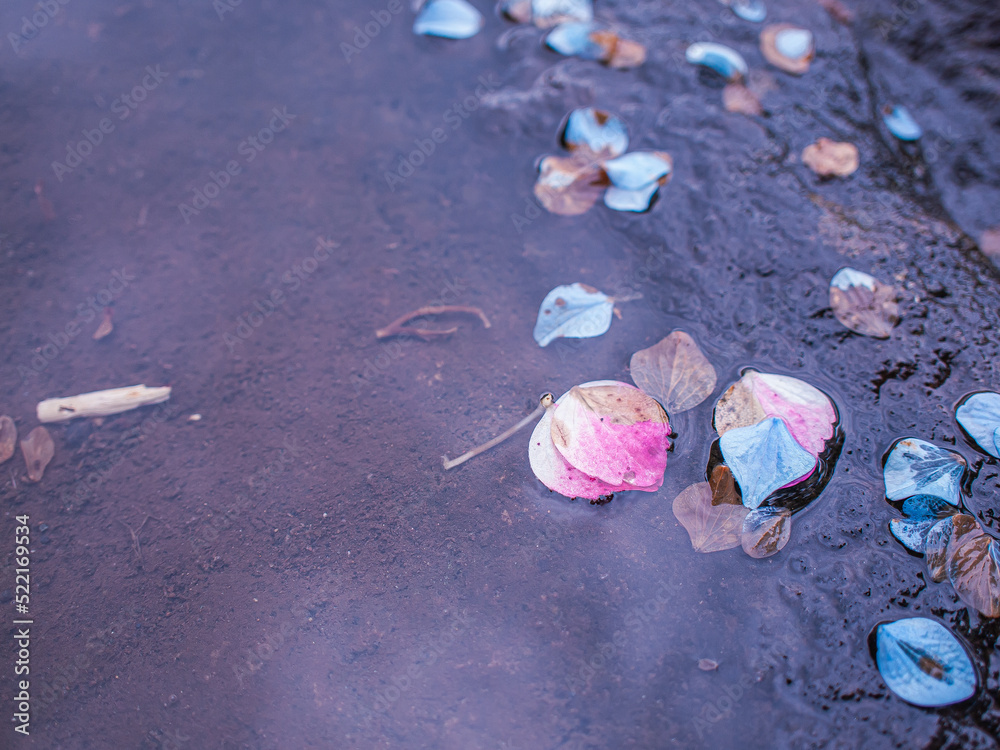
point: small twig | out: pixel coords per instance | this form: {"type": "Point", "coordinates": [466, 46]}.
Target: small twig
{"type": "Point", "coordinates": [544, 403]}
{"type": "Point", "coordinates": [135, 536]}
{"type": "Point", "coordinates": [396, 327]}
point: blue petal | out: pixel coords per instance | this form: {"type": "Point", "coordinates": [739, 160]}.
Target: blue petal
{"type": "Point", "coordinates": [636, 201]}
{"type": "Point", "coordinates": [574, 39]}
{"type": "Point", "coordinates": [451, 19]}
{"type": "Point", "coordinates": [923, 663]}
{"type": "Point", "coordinates": [916, 467]}
{"type": "Point", "coordinates": [598, 131]}
{"type": "Point", "coordinates": [550, 12]}
{"type": "Point", "coordinates": [912, 534]}
{"type": "Point", "coordinates": [749, 10]}
{"type": "Point", "coordinates": [636, 170]}
{"type": "Point", "coordinates": [763, 458]}
{"type": "Point", "coordinates": [927, 506]}
{"type": "Point", "coordinates": [794, 43]}
{"type": "Point", "coordinates": [573, 311]}
{"type": "Point", "coordinates": [979, 415]}
{"type": "Point", "coordinates": [723, 60]}
{"type": "Point", "coordinates": [846, 278]}
{"type": "Point", "coordinates": [901, 123]}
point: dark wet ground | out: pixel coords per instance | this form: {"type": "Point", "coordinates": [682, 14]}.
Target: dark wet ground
{"type": "Point", "coordinates": [305, 573]}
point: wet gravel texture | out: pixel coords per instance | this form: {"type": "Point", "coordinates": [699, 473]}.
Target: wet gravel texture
{"type": "Point", "coordinates": [295, 569]}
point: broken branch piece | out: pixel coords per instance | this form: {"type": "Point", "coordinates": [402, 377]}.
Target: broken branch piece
{"type": "Point", "coordinates": [543, 403]}
{"type": "Point", "coordinates": [100, 403]}
{"type": "Point", "coordinates": [398, 327]}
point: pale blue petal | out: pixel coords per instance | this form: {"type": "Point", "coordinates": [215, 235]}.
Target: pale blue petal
{"type": "Point", "coordinates": [916, 467]}
{"type": "Point", "coordinates": [550, 12]}
{"type": "Point", "coordinates": [923, 663]}
{"type": "Point", "coordinates": [636, 170]}
{"type": "Point", "coordinates": [846, 278]}
{"type": "Point", "coordinates": [912, 533]}
{"type": "Point", "coordinates": [573, 311]}
{"type": "Point", "coordinates": [451, 19]}
{"type": "Point", "coordinates": [794, 43]}
{"type": "Point", "coordinates": [763, 458]}
{"type": "Point", "coordinates": [749, 10]}
{"type": "Point", "coordinates": [723, 60]}
{"type": "Point", "coordinates": [574, 39]}
{"type": "Point", "coordinates": [979, 415]}
{"type": "Point", "coordinates": [901, 123]}
{"type": "Point", "coordinates": [584, 129]}
{"type": "Point", "coordinates": [630, 200]}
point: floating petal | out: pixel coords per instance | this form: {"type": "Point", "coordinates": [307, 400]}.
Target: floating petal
{"type": "Point", "coordinates": [574, 311]}
{"type": "Point", "coordinates": [787, 47]}
{"type": "Point", "coordinates": [766, 531]}
{"type": "Point", "coordinates": [8, 438]}
{"type": "Point", "coordinates": [638, 169]}
{"type": "Point", "coordinates": [806, 410]}
{"type": "Point", "coordinates": [764, 458]}
{"type": "Point", "coordinates": [674, 372]}
{"type": "Point", "coordinates": [595, 133]}
{"type": "Point", "coordinates": [738, 98]}
{"type": "Point", "coordinates": [923, 663]}
{"type": "Point", "coordinates": [574, 39]}
{"type": "Point", "coordinates": [725, 61]}
{"type": "Point", "coordinates": [916, 467]}
{"type": "Point", "coordinates": [451, 19]}
{"type": "Point", "coordinates": [547, 13]}
{"type": "Point", "coordinates": [921, 514]}
{"type": "Point", "coordinates": [829, 158]}
{"type": "Point", "coordinates": [712, 528]}
{"type": "Point", "coordinates": [936, 545]}
{"type": "Point", "coordinates": [518, 11]}
{"type": "Point", "coordinates": [738, 407]}
{"type": "Point", "coordinates": [613, 432]}
{"type": "Point", "coordinates": [901, 123]}
{"type": "Point", "coordinates": [972, 566]}
{"type": "Point", "coordinates": [863, 304]}
{"type": "Point", "coordinates": [569, 186]}
{"type": "Point", "coordinates": [749, 10]}
{"type": "Point", "coordinates": [979, 415]}
{"type": "Point", "coordinates": [38, 450]}
{"type": "Point", "coordinates": [636, 201]}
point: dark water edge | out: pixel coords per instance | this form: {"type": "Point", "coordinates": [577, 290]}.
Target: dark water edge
{"type": "Point", "coordinates": [308, 576]}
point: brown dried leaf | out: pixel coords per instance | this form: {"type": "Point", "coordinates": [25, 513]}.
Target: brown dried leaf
{"type": "Point", "coordinates": [106, 325]}
{"type": "Point", "coordinates": [723, 486]}
{"type": "Point", "coordinates": [737, 408]}
{"type": "Point", "coordinates": [712, 528]}
{"type": "Point", "coordinates": [766, 531]}
{"type": "Point", "coordinates": [38, 450]}
{"type": "Point", "coordinates": [829, 158]}
{"type": "Point", "coordinates": [778, 60]}
{"type": "Point", "coordinates": [972, 566]}
{"type": "Point", "coordinates": [738, 98]}
{"type": "Point", "coordinates": [8, 438]}
{"type": "Point", "coordinates": [866, 311]}
{"type": "Point", "coordinates": [569, 186]}
{"type": "Point", "coordinates": [674, 372]}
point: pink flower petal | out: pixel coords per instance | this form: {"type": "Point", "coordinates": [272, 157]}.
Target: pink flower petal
{"type": "Point", "coordinates": [806, 410]}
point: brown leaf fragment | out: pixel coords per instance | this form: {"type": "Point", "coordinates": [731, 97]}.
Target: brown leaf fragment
{"type": "Point", "coordinates": [38, 450]}
{"type": "Point", "coordinates": [829, 158]}
{"type": "Point", "coordinates": [8, 438]}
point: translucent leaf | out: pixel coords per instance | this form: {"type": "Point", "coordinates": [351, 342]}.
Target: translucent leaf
{"type": "Point", "coordinates": [569, 186]}
{"type": "Point", "coordinates": [829, 158]}
{"type": "Point", "coordinates": [766, 531]}
{"type": "Point", "coordinates": [712, 528]}
{"type": "Point", "coordinates": [923, 663]}
{"type": "Point", "coordinates": [635, 201]}
{"type": "Point", "coordinates": [574, 311]}
{"type": "Point", "coordinates": [901, 123]}
{"type": "Point", "coordinates": [971, 565]}
{"type": "Point", "coordinates": [451, 19]}
{"type": "Point", "coordinates": [979, 415]}
{"type": "Point", "coordinates": [921, 514]}
{"type": "Point", "coordinates": [916, 467]}
{"type": "Point", "coordinates": [574, 39]}
{"type": "Point", "coordinates": [547, 13]}
{"type": "Point", "coordinates": [936, 546]}
{"type": "Point", "coordinates": [38, 450]}
{"type": "Point", "coordinates": [723, 486]}
{"type": "Point", "coordinates": [862, 304]}
{"type": "Point", "coordinates": [787, 47]}
{"type": "Point", "coordinates": [737, 407]}
{"type": "Point", "coordinates": [674, 372]}
{"type": "Point", "coordinates": [8, 438]}
{"type": "Point", "coordinates": [638, 169]}
{"type": "Point", "coordinates": [764, 458]}
{"type": "Point", "coordinates": [725, 61]}
{"type": "Point", "coordinates": [595, 134]}
{"type": "Point", "coordinates": [613, 432]}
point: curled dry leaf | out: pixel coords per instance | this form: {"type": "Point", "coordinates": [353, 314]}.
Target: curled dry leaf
{"type": "Point", "coordinates": [829, 158]}
{"type": "Point", "coordinates": [569, 186]}
{"type": "Point", "coordinates": [738, 98]}
{"type": "Point", "coordinates": [8, 438]}
{"type": "Point", "coordinates": [711, 527]}
{"type": "Point", "coordinates": [38, 450]}
{"type": "Point", "coordinates": [674, 372]}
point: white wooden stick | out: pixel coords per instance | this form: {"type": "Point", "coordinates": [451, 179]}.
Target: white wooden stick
{"type": "Point", "coordinates": [100, 403]}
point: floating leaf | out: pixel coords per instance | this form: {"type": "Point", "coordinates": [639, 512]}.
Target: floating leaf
{"type": "Point", "coordinates": [725, 61]}
{"type": "Point", "coordinates": [451, 19]}
{"type": "Point", "coordinates": [8, 438]}
{"type": "Point", "coordinates": [595, 134]}
{"type": "Point", "coordinates": [674, 372]}
{"type": "Point", "coordinates": [569, 186]}
{"type": "Point", "coordinates": [625, 53]}
{"type": "Point", "coordinates": [787, 47]}
{"type": "Point", "coordinates": [639, 169]}
{"type": "Point", "coordinates": [916, 467]}
{"type": "Point", "coordinates": [923, 663]}
{"type": "Point", "coordinates": [921, 513]}
{"type": "Point", "coordinates": [518, 11]}
{"type": "Point", "coordinates": [763, 458]}
{"type": "Point", "coordinates": [574, 311]}
{"type": "Point", "coordinates": [547, 13]}
{"type": "Point", "coordinates": [738, 98]}
{"type": "Point", "coordinates": [972, 566]}
{"type": "Point", "coordinates": [723, 486]}
{"type": "Point", "coordinates": [766, 531]}
{"type": "Point", "coordinates": [613, 432]}
{"type": "Point", "coordinates": [829, 158]}
{"type": "Point", "coordinates": [593, 42]}
{"type": "Point", "coordinates": [936, 545]}
{"type": "Point", "coordinates": [712, 527]}
{"type": "Point", "coordinates": [749, 10]}
{"type": "Point", "coordinates": [636, 201]}
{"type": "Point", "coordinates": [901, 123]}
{"type": "Point", "coordinates": [863, 304]}
{"type": "Point", "coordinates": [38, 450]}
{"type": "Point", "coordinates": [979, 415]}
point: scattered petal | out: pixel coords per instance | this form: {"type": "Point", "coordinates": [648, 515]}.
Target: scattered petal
{"type": "Point", "coordinates": [708, 665]}
{"type": "Point", "coordinates": [787, 47]}
{"type": "Point", "coordinates": [901, 123]}
{"type": "Point", "coordinates": [766, 531]}
{"type": "Point", "coordinates": [547, 13]}
{"type": "Point", "coordinates": [636, 201]}
{"type": "Point", "coordinates": [674, 372]}
{"type": "Point", "coordinates": [936, 545]}
{"type": "Point", "coordinates": [923, 663]}
{"type": "Point", "coordinates": [638, 169]}
{"type": "Point", "coordinates": [738, 98]}
{"type": "Point", "coordinates": [711, 527]}
{"type": "Point", "coordinates": [829, 158]}
{"type": "Point", "coordinates": [972, 566]}
{"type": "Point", "coordinates": [863, 304]}
{"type": "Point", "coordinates": [723, 60]}
{"type": "Point", "coordinates": [749, 10]}
{"type": "Point", "coordinates": [920, 513]}
{"type": "Point", "coordinates": [38, 450]}
{"type": "Point", "coordinates": [738, 407]}
{"type": "Point", "coordinates": [625, 53]}
{"type": "Point", "coordinates": [106, 326]}
{"type": "Point", "coordinates": [451, 19]}
{"type": "Point", "coordinates": [596, 134]}
{"type": "Point", "coordinates": [518, 11]}
{"type": "Point", "coordinates": [764, 458]}
{"type": "Point", "coordinates": [569, 186]}
{"type": "Point", "coordinates": [574, 311]}
{"type": "Point", "coordinates": [979, 415]}
{"type": "Point", "coordinates": [613, 432]}
{"type": "Point", "coordinates": [723, 486]}
{"type": "Point", "coordinates": [8, 438]}
{"type": "Point", "coordinates": [916, 467]}
{"type": "Point", "coordinates": [575, 39]}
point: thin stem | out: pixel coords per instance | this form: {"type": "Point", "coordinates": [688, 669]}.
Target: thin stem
{"type": "Point", "coordinates": [545, 402]}
{"type": "Point", "coordinates": [397, 327]}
